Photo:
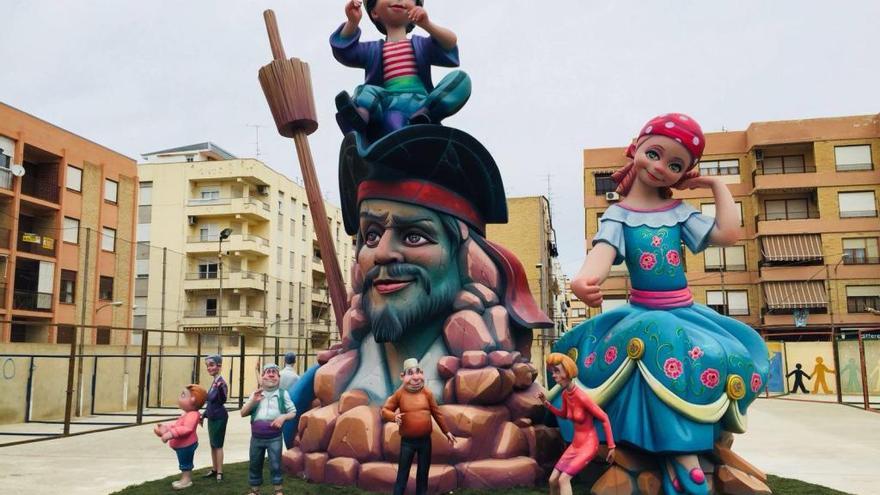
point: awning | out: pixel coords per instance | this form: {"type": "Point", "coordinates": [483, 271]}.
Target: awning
{"type": "Point", "coordinates": [788, 295]}
{"type": "Point", "coordinates": [800, 247]}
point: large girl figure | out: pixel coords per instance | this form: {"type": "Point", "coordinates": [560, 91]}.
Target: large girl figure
{"type": "Point", "coordinates": [670, 374]}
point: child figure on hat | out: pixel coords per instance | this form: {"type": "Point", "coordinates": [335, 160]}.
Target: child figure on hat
{"type": "Point", "coordinates": [671, 374]}
{"type": "Point", "coordinates": [415, 406]}
{"type": "Point", "coordinates": [398, 89]}
{"type": "Point", "coordinates": [269, 407]}
{"type": "Point", "coordinates": [181, 435]}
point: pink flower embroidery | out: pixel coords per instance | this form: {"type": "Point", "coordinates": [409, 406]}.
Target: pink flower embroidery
{"type": "Point", "coordinates": [647, 261]}
{"type": "Point", "coordinates": [710, 378]}
{"type": "Point", "coordinates": [756, 382]}
{"type": "Point", "coordinates": [656, 240]}
{"type": "Point", "coordinates": [695, 353]}
{"type": "Point", "coordinates": [672, 368]}
{"type": "Point", "coordinates": [589, 360]}
{"type": "Point", "coordinates": [673, 258]}
{"type": "Point", "coordinates": [610, 355]}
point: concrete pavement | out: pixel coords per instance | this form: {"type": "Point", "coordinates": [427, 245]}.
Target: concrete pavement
{"type": "Point", "coordinates": [826, 444]}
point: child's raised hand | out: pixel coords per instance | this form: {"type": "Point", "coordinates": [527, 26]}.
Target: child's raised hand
{"type": "Point", "coordinates": [353, 11]}
{"type": "Point", "coordinates": [258, 395]}
{"type": "Point", "coordinates": [419, 16]}
{"type": "Point", "coordinates": [588, 291]}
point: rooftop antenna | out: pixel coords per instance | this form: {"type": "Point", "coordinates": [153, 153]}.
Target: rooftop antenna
{"type": "Point", "coordinates": [257, 131]}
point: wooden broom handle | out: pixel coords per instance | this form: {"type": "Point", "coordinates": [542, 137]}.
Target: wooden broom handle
{"type": "Point", "coordinates": [274, 36]}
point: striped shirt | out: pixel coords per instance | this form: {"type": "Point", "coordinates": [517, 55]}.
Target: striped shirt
{"type": "Point", "coordinates": [398, 59]}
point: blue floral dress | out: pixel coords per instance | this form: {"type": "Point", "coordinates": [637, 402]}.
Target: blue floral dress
{"type": "Point", "coordinates": [670, 373]}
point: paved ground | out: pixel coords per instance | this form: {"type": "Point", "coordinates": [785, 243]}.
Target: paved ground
{"type": "Point", "coordinates": [827, 444]}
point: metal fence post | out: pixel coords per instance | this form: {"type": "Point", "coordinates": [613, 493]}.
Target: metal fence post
{"type": "Point", "coordinates": [241, 372]}
{"type": "Point", "coordinates": [198, 370]}
{"type": "Point", "coordinates": [68, 406]}
{"type": "Point", "coordinates": [142, 376]}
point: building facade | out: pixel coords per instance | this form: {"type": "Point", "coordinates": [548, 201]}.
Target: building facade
{"type": "Point", "coordinates": [67, 220]}
{"type": "Point", "coordinates": [807, 191]}
{"type": "Point", "coordinates": [268, 278]}
{"type": "Point", "coordinates": [529, 234]}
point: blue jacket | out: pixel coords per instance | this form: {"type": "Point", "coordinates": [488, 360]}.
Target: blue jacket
{"type": "Point", "coordinates": [351, 52]}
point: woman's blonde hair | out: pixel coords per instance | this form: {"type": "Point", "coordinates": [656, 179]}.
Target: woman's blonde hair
{"type": "Point", "coordinates": [567, 363]}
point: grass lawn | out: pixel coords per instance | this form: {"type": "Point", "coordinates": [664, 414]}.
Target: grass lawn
{"type": "Point", "coordinates": [235, 483]}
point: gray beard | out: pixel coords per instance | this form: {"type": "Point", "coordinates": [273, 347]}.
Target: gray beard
{"type": "Point", "coordinates": [390, 324]}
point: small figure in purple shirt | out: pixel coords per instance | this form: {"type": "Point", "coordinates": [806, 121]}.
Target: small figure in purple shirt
{"type": "Point", "coordinates": [216, 414]}
{"type": "Point", "coordinates": [398, 89]}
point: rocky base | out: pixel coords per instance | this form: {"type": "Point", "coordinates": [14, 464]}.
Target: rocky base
{"type": "Point", "coordinates": [635, 473]}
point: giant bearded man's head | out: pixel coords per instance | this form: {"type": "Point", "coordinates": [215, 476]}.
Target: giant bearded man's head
{"type": "Point", "coordinates": [408, 256]}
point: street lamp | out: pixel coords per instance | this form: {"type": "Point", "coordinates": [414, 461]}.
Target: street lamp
{"type": "Point", "coordinates": [114, 304]}
{"type": "Point", "coordinates": [224, 234]}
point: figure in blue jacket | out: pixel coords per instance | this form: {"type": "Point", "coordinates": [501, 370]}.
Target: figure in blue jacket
{"type": "Point", "coordinates": [397, 90]}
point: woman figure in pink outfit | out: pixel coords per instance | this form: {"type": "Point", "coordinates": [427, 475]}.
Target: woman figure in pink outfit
{"type": "Point", "coordinates": [580, 409]}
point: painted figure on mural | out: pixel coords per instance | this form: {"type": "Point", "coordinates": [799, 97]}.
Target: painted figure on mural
{"type": "Point", "coordinates": [181, 435]}
{"type": "Point", "coordinates": [819, 371]}
{"type": "Point", "coordinates": [670, 373]}
{"type": "Point", "coordinates": [581, 410]}
{"type": "Point", "coordinates": [216, 414]}
{"type": "Point", "coordinates": [268, 407]}
{"type": "Point", "coordinates": [849, 377]}
{"type": "Point", "coordinates": [875, 372]}
{"type": "Point", "coordinates": [398, 89]}
{"type": "Point", "coordinates": [799, 375]}
{"type": "Point", "coordinates": [412, 406]}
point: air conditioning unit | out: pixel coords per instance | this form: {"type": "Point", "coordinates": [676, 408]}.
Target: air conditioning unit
{"type": "Point", "coordinates": [759, 155]}
{"type": "Point", "coordinates": [263, 190]}
{"type": "Point", "coordinates": [191, 220]}
{"type": "Point", "coordinates": [612, 196]}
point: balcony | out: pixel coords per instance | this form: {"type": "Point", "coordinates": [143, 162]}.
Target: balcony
{"type": "Point", "coordinates": [796, 222]}
{"type": "Point", "coordinates": [232, 318]}
{"type": "Point", "coordinates": [5, 235]}
{"type": "Point", "coordinates": [41, 190]}
{"type": "Point", "coordinates": [32, 301]}
{"type": "Point", "coordinates": [249, 208]}
{"type": "Point", "coordinates": [231, 280]}
{"type": "Point", "coordinates": [29, 242]}
{"type": "Point", "coordinates": [244, 243]}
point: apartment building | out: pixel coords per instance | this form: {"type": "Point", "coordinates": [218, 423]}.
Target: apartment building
{"type": "Point", "coordinates": [807, 194]}
{"type": "Point", "coordinates": [67, 218]}
{"type": "Point", "coordinates": [529, 234]}
{"type": "Point", "coordinates": [228, 244]}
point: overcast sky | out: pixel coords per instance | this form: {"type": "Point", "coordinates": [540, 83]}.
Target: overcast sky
{"type": "Point", "coordinates": [549, 78]}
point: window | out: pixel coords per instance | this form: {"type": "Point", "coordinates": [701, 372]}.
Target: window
{"type": "Point", "coordinates": [111, 190]}
{"type": "Point", "coordinates": [209, 193]}
{"type": "Point", "coordinates": [211, 307]}
{"type": "Point", "coordinates": [786, 209]}
{"type": "Point", "coordinates": [292, 259]}
{"type": "Point", "coordinates": [303, 263]}
{"type": "Point", "coordinates": [792, 164]}
{"type": "Point", "coordinates": [731, 303]}
{"type": "Point", "coordinates": [67, 290]}
{"type": "Point", "coordinates": [74, 178]}
{"type": "Point", "coordinates": [304, 226]}
{"type": "Point", "coordinates": [290, 293]}
{"type": "Point", "coordinates": [732, 258]}
{"type": "Point", "coordinates": [65, 334]}
{"type": "Point", "coordinates": [604, 184]}
{"type": "Point", "coordinates": [860, 251]}
{"type": "Point", "coordinates": [279, 255]}
{"type": "Point", "coordinates": [292, 226]}
{"type": "Point", "coordinates": [102, 336]}
{"type": "Point", "coordinates": [278, 290]}
{"type": "Point", "coordinates": [71, 230]}
{"type": "Point", "coordinates": [610, 303]}
{"type": "Point", "coordinates": [208, 270]}
{"type": "Point", "coordinates": [108, 239]}
{"type": "Point", "coordinates": [856, 157]}
{"type": "Point", "coordinates": [708, 209]}
{"type": "Point", "coordinates": [292, 206]}
{"type": "Point", "coordinates": [860, 298]}
{"type": "Point", "coordinates": [720, 167]}
{"type": "Point", "coordinates": [857, 204]}
{"type": "Point", "coordinates": [145, 194]}
{"type": "Point", "coordinates": [105, 288]}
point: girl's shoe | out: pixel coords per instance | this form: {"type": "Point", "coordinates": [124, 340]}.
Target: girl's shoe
{"type": "Point", "coordinates": [179, 485]}
{"type": "Point", "coordinates": [210, 474]}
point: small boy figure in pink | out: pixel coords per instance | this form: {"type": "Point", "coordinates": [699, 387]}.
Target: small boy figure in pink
{"type": "Point", "coordinates": [181, 435]}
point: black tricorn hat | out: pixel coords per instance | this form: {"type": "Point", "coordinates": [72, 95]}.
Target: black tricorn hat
{"type": "Point", "coordinates": [434, 166]}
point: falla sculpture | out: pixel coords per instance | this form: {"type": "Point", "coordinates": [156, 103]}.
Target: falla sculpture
{"type": "Point", "coordinates": [426, 284]}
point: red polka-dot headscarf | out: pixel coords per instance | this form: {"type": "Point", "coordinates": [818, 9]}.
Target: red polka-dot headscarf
{"type": "Point", "coordinates": [677, 126]}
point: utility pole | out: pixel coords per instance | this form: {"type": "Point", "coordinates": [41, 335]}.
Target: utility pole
{"type": "Point", "coordinates": [82, 322]}
{"type": "Point", "coordinates": [162, 327]}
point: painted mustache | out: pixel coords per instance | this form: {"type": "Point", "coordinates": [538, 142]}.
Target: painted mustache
{"type": "Point", "coordinates": [398, 271]}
